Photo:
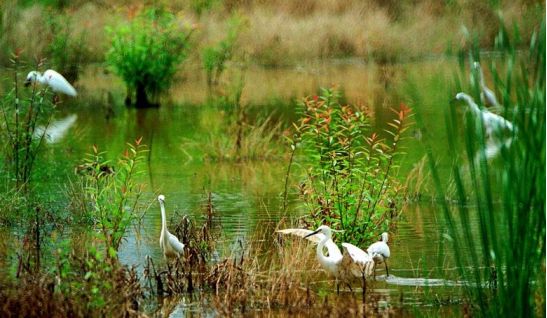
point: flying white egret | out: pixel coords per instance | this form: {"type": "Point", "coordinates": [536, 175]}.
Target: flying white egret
{"type": "Point", "coordinates": [170, 244]}
{"type": "Point", "coordinates": [488, 97]}
{"type": "Point", "coordinates": [379, 252]}
{"type": "Point", "coordinates": [354, 262]}
{"type": "Point", "coordinates": [490, 120]}
{"type": "Point", "coordinates": [52, 79]}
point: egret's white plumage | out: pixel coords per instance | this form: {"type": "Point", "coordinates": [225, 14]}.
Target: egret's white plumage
{"type": "Point", "coordinates": [490, 120]}
{"type": "Point", "coordinates": [353, 262]}
{"type": "Point", "coordinates": [170, 244]}
{"type": "Point", "coordinates": [488, 97]}
{"type": "Point", "coordinates": [379, 251]}
{"type": "Point", "coordinates": [52, 79]}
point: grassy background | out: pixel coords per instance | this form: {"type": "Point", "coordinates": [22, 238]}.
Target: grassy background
{"type": "Point", "coordinates": [282, 32]}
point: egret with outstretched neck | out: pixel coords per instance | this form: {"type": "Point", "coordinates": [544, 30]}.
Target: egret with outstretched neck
{"type": "Point", "coordinates": [488, 97]}
{"type": "Point", "coordinates": [52, 79]}
{"type": "Point", "coordinates": [354, 262]}
{"type": "Point", "coordinates": [379, 251]}
{"type": "Point", "coordinates": [170, 244]}
{"type": "Point", "coordinates": [490, 120]}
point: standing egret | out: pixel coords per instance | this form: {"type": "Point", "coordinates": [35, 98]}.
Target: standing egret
{"type": "Point", "coordinates": [379, 252]}
{"type": "Point", "coordinates": [354, 262]}
{"type": "Point", "coordinates": [170, 244]}
{"type": "Point", "coordinates": [488, 97]}
{"type": "Point", "coordinates": [490, 120]}
{"type": "Point", "coordinates": [52, 79]}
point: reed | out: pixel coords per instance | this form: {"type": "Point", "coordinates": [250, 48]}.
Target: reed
{"type": "Point", "coordinates": [505, 266]}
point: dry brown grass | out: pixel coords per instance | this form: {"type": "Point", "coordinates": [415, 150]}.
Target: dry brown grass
{"type": "Point", "coordinates": [284, 32]}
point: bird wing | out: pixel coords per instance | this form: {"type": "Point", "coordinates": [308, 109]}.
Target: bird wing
{"type": "Point", "coordinates": [356, 260]}
{"type": "Point", "coordinates": [176, 244]}
{"type": "Point", "coordinates": [380, 248]}
{"type": "Point", "coordinates": [331, 247]}
{"type": "Point", "coordinates": [58, 83]}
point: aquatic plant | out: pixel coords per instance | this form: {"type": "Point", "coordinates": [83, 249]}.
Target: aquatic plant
{"type": "Point", "coordinates": [348, 171]}
{"type": "Point", "coordinates": [215, 56]}
{"type": "Point", "coordinates": [500, 251]}
{"type": "Point", "coordinates": [20, 115]}
{"type": "Point", "coordinates": [145, 52]}
{"type": "Point", "coordinates": [108, 195]}
{"type": "Point", "coordinates": [65, 49]}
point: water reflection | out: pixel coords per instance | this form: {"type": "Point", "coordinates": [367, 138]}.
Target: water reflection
{"type": "Point", "coordinates": [56, 129]}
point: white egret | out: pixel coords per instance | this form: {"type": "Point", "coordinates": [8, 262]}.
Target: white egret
{"type": "Point", "coordinates": [490, 120]}
{"type": "Point", "coordinates": [354, 262]}
{"type": "Point", "coordinates": [488, 97]}
{"type": "Point", "coordinates": [379, 252]}
{"type": "Point", "coordinates": [52, 79]}
{"type": "Point", "coordinates": [170, 244]}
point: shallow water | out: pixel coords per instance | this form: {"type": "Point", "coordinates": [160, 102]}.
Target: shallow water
{"type": "Point", "coordinates": [248, 195]}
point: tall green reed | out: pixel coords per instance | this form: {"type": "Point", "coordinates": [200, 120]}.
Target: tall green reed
{"type": "Point", "coordinates": [20, 114]}
{"type": "Point", "coordinates": [500, 251]}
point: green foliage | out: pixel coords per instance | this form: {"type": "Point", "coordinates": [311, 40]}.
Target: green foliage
{"type": "Point", "coordinates": [215, 56]}
{"type": "Point", "coordinates": [501, 253]}
{"type": "Point", "coordinates": [201, 6]}
{"type": "Point", "coordinates": [349, 180]}
{"type": "Point", "coordinates": [64, 50]}
{"type": "Point", "coordinates": [21, 114]}
{"type": "Point", "coordinates": [145, 52]}
{"type": "Point", "coordinates": [111, 195]}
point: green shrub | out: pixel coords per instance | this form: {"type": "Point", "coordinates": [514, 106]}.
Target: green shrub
{"type": "Point", "coordinates": [348, 181]}
{"type": "Point", "coordinates": [145, 53]}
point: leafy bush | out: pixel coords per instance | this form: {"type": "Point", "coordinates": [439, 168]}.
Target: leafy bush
{"type": "Point", "coordinates": [145, 53]}
{"type": "Point", "coordinates": [109, 195]}
{"type": "Point", "coordinates": [348, 181]}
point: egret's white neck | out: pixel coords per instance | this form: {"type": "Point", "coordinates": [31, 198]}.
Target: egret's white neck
{"type": "Point", "coordinates": [163, 220]}
{"type": "Point", "coordinates": [321, 245]}
{"type": "Point", "coordinates": [471, 103]}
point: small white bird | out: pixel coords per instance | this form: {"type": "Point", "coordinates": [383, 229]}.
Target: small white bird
{"type": "Point", "coordinates": [170, 244]}
{"type": "Point", "coordinates": [490, 120]}
{"type": "Point", "coordinates": [488, 97]}
{"type": "Point", "coordinates": [52, 79]}
{"type": "Point", "coordinates": [354, 262]}
{"type": "Point", "coordinates": [379, 251]}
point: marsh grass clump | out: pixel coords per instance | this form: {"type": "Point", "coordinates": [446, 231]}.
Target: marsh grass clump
{"type": "Point", "coordinates": [348, 172]}
{"type": "Point", "coordinates": [232, 134]}
{"type": "Point", "coordinates": [505, 270]}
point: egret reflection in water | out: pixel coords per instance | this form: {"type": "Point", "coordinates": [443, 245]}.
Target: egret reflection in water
{"type": "Point", "coordinates": [56, 129]}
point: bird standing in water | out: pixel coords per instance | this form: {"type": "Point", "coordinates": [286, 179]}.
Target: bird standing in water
{"type": "Point", "coordinates": [354, 262]}
{"type": "Point", "coordinates": [170, 244]}
{"type": "Point", "coordinates": [379, 251]}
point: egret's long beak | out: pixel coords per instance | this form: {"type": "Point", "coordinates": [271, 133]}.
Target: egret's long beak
{"type": "Point", "coordinates": [312, 233]}
{"type": "Point", "coordinates": [27, 83]}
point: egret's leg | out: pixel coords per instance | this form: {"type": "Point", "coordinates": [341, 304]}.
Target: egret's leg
{"type": "Point", "coordinates": [349, 287]}
{"type": "Point", "coordinates": [364, 284]}
{"type": "Point", "coordinates": [387, 270]}
{"type": "Point", "coordinates": [337, 288]}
